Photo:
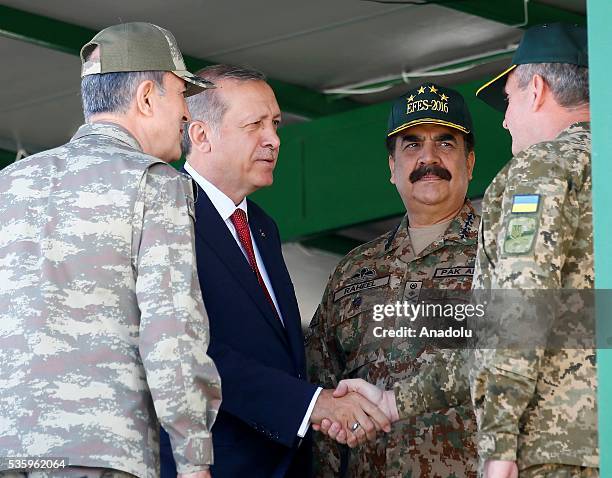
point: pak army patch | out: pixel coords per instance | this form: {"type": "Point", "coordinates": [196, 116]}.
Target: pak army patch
{"type": "Point", "coordinates": [522, 225]}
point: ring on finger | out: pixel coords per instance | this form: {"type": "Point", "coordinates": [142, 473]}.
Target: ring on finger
{"type": "Point", "coordinates": [355, 426]}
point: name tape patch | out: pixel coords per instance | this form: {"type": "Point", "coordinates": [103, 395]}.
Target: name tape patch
{"type": "Point", "coordinates": [454, 272]}
{"type": "Point", "coordinates": [368, 284]}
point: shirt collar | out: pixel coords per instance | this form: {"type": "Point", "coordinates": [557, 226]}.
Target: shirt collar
{"type": "Point", "coordinates": [463, 229]}
{"type": "Point", "coordinates": [222, 203]}
{"type": "Point", "coordinates": [108, 129]}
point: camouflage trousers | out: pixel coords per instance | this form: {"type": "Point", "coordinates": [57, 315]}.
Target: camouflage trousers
{"type": "Point", "coordinates": [553, 470]}
{"type": "Point", "coordinates": [68, 472]}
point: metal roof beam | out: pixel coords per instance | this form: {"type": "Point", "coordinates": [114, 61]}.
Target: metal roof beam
{"type": "Point", "coordinates": [68, 38]}
{"type": "Point", "coordinates": [511, 12]}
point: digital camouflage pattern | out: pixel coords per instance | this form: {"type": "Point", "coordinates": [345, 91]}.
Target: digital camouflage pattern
{"type": "Point", "coordinates": [340, 344]}
{"type": "Point", "coordinates": [539, 407]}
{"type": "Point", "coordinates": [559, 471]}
{"type": "Point", "coordinates": [102, 325]}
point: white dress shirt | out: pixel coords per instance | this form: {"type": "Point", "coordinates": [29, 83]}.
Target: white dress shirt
{"type": "Point", "coordinates": [226, 207]}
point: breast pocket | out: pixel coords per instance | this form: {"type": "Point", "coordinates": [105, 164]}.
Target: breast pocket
{"type": "Point", "coordinates": [358, 334]}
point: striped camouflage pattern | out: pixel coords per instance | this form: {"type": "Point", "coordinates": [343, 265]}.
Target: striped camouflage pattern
{"type": "Point", "coordinates": [539, 407]}
{"type": "Point", "coordinates": [102, 326]}
{"type": "Point", "coordinates": [437, 443]}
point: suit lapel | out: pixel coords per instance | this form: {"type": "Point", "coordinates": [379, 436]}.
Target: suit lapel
{"type": "Point", "coordinates": [280, 280]}
{"type": "Point", "coordinates": [211, 229]}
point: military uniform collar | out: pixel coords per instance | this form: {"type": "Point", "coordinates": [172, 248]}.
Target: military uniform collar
{"type": "Point", "coordinates": [580, 127]}
{"type": "Point", "coordinates": [112, 130]}
{"type": "Point", "coordinates": [463, 229]}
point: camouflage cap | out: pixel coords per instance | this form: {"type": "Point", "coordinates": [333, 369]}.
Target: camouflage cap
{"type": "Point", "coordinates": [550, 43]}
{"type": "Point", "coordinates": [138, 46]}
{"type": "Point", "coordinates": [429, 104]}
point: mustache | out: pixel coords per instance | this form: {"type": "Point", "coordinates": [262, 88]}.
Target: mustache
{"type": "Point", "coordinates": [268, 154]}
{"type": "Point", "coordinates": [432, 169]}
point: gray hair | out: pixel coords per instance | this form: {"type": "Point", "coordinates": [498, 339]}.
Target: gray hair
{"type": "Point", "coordinates": [113, 92]}
{"type": "Point", "coordinates": [568, 83]}
{"type": "Point", "coordinates": [208, 106]}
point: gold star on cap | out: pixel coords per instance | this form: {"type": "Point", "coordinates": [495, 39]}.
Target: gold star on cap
{"type": "Point", "coordinates": [421, 90]}
{"type": "Point", "coordinates": [433, 89]}
{"type": "Point", "coordinates": [443, 97]}
{"type": "Point", "coordinates": [410, 98]}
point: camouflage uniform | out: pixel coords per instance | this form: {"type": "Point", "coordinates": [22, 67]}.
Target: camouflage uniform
{"type": "Point", "coordinates": [68, 472]}
{"type": "Point", "coordinates": [102, 326]}
{"type": "Point", "coordinates": [341, 344]}
{"type": "Point", "coordinates": [539, 407]}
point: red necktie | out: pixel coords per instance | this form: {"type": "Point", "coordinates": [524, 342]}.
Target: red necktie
{"type": "Point", "coordinates": [239, 219]}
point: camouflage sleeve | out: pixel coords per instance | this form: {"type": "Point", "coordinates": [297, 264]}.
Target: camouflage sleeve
{"type": "Point", "coordinates": [442, 382]}
{"type": "Point", "coordinates": [324, 369]}
{"type": "Point", "coordinates": [502, 385]}
{"type": "Point", "coordinates": [540, 213]}
{"type": "Point", "coordinates": [322, 356]}
{"type": "Point", "coordinates": [174, 333]}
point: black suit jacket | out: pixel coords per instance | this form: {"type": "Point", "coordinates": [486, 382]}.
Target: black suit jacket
{"type": "Point", "coordinates": [261, 363]}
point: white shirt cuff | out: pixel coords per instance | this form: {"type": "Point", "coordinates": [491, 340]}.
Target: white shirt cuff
{"type": "Point", "coordinates": [306, 422]}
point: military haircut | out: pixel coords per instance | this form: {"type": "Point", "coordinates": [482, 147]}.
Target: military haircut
{"type": "Point", "coordinates": [468, 139]}
{"type": "Point", "coordinates": [113, 92]}
{"type": "Point", "coordinates": [569, 83]}
{"type": "Point", "coordinates": [208, 106]}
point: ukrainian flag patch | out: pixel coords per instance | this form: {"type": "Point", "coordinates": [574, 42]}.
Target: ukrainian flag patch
{"type": "Point", "coordinates": [525, 203]}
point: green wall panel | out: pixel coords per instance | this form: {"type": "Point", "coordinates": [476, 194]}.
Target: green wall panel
{"type": "Point", "coordinates": [6, 158]}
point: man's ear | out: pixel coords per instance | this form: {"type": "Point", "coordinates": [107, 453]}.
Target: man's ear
{"type": "Point", "coordinates": [199, 134]}
{"type": "Point", "coordinates": [538, 90]}
{"type": "Point", "coordinates": [471, 161]}
{"type": "Point", "coordinates": [144, 97]}
{"type": "Point", "coordinates": [391, 168]}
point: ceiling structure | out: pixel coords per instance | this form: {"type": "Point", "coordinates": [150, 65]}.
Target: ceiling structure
{"type": "Point", "coordinates": [305, 48]}
{"type": "Point", "coordinates": [331, 64]}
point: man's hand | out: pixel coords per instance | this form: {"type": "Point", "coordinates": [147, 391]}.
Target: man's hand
{"type": "Point", "coordinates": [384, 401]}
{"type": "Point", "coordinates": [348, 410]}
{"type": "Point", "coordinates": [500, 469]}
{"type": "Point", "coordinates": [195, 474]}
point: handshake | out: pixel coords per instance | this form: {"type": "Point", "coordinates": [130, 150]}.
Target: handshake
{"type": "Point", "coordinates": [354, 412]}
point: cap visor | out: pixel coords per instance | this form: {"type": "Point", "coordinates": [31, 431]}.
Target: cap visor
{"type": "Point", "coordinates": [492, 92]}
{"type": "Point", "coordinates": [193, 84]}
{"type": "Point", "coordinates": [428, 121]}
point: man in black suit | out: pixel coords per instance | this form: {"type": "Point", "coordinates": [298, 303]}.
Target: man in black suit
{"type": "Point", "coordinates": [256, 339]}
